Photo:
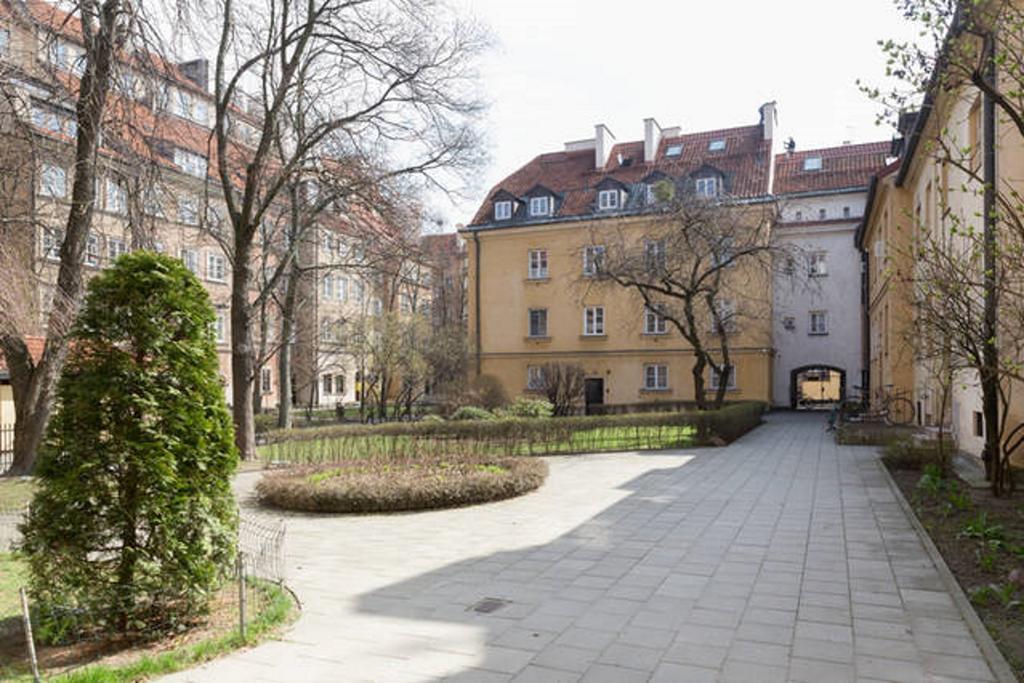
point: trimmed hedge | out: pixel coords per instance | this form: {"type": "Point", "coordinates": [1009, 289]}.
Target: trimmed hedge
{"type": "Point", "coordinates": [516, 436]}
{"type": "Point", "coordinates": [381, 485]}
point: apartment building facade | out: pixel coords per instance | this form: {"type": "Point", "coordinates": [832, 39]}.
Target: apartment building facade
{"type": "Point", "coordinates": [818, 326]}
{"type": "Point", "coordinates": [535, 245]}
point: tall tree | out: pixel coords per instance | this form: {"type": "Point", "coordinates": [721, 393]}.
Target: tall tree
{"type": "Point", "coordinates": [388, 82]}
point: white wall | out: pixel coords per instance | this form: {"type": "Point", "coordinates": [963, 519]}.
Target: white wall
{"type": "Point", "coordinates": [838, 293]}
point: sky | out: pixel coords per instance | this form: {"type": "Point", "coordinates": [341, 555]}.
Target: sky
{"type": "Point", "coordinates": [559, 67]}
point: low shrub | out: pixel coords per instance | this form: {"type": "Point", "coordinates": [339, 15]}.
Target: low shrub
{"type": "Point", "coordinates": [527, 407]}
{"type": "Point", "coordinates": [487, 391]}
{"type": "Point", "coordinates": [432, 418]}
{"type": "Point", "coordinates": [908, 453]}
{"type": "Point", "coordinates": [472, 413]}
{"type": "Point", "coordinates": [390, 485]}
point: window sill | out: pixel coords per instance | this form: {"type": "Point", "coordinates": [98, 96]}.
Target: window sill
{"type": "Point", "coordinates": [537, 280]}
{"type": "Point", "coordinates": [594, 337]}
{"type": "Point", "coordinates": [817, 334]}
{"type": "Point", "coordinates": [654, 335]}
{"type": "Point", "coordinates": [646, 390]}
{"type": "Point", "coordinates": [538, 340]}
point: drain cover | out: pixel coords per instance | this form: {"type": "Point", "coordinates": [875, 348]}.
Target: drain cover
{"type": "Point", "coordinates": [488, 605]}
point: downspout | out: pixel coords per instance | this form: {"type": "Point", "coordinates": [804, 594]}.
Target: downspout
{"type": "Point", "coordinates": [476, 301]}
{"type": "Point", "coordinates": [990, 376]}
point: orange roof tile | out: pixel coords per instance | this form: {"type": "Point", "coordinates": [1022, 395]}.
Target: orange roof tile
{"type": "Point", "coordinates": [841, 167]}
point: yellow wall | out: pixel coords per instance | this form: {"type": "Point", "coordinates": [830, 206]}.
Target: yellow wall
{"type": "Point", "coordinates": [507, 295]}
{"type": "Point", "coordinates": [6, 405]}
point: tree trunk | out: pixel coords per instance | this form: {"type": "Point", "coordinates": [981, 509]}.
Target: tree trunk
{"type": "Point", "coordinates": [242, 363]}
{"type": "Point", "coordinates": [699, 394]}
{"type": "Point", "coordinates": [33, 403]}
{"type": "Point", "coordinates": [284, 358]}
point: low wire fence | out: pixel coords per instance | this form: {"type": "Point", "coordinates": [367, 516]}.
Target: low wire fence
{"type": "Point", "coordinates": [43, 637]}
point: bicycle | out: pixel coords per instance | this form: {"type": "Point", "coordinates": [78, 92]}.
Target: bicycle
{"type": "Point", "coordinates": [893, 407]}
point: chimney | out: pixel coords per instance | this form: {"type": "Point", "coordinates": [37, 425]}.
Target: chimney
{"type": "Point", "coordinates": [197, 71]}
{"type": "Point", "coordinates": [652, 139]}
{"type": "Point", "coordinates": [603, 143]}
{"type": "Point", "coordinates": [769, 119]}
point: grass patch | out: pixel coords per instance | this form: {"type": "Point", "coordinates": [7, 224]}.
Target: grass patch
{"type": "Point", "coordinates": [16, 493]}
{"type": "Point", "coordinates": [272, 604]}
{"type": "Point", "coordinates": [380, 484]}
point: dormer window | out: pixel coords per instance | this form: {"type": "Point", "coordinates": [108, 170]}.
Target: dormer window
{"type": "Point", "coordinates": [502, 210]}
{"type": "Point", "coordinates": [540, 206]}
{"type": "Point", "coordinates": [812, 164]}
{"type": "Point", "coordinates": [716, 146]}
{"type": "Point", "coordinates": [608, 199]}
{"type": "Point", "coordinates": [674, 151]}
{"type": "Point", "coordinates": [706, 187]}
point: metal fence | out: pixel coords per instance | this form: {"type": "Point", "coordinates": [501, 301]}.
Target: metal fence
{"type": "Point", "coordinates": [261, 544]}
{"type": "Point", "coordinates": [6, 447]}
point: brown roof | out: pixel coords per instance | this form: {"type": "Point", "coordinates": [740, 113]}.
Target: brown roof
{"type": "Point", "coordinates": [35, 348]}
{"type": "Point", "coordinates": [571, 175]}
{"type": "Point", "coordinates": [841, 167]}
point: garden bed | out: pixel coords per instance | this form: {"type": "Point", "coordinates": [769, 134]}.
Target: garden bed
{"type": "Point", "coordinates": [981, 539]}
{"type": "Point", "coordinates": [384, 484]}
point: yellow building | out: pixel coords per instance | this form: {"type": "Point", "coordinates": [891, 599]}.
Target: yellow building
{"type": "Point", "coordinates": [533, 244]}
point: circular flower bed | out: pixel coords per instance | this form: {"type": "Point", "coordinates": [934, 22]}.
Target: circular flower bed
{"type": "Point", "coordinates": [391, 485]}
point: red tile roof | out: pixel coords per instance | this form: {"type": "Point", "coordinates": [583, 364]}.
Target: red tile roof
{"type": "Point", "coordinates": [35, 348]}
{"type": "Point", "coordinates": [841, 167]}
{"type": "Point", "coordinates": [573, 177]}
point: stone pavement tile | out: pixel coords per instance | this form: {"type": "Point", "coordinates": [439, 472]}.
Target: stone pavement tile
{"type": "Point", "coordinates": [948, 645]}
{"type": "Point", "coordinates": [708, 635]}
{"type": "Point", "coordinates": [890, 669]}
{"type": "Point", "coordinates": [765, 633]}
{"type": "Point", "coordinates": [746, 672]}
{"type": "Point", "coordinates": [585, 638]}
{"type": "Point", "coordinates": [668, 672]}
{"type": "Point", "coordinates": [525, 639]}
{"type": "Point", "coordinates": [479, 676]}
{"type": "Point", "coordinates": [824, 650]}
{"type": "Point", "coordinates": [759, 615]}
{"type": "Point", "coordinates": [759, 653]}
{"type": "Point", "coordinates": [631, 656]}
{"type": "Point", "coordinates": [882, 629]}
{"type": "Point", "coordinates": [714, 617]}
{"type": "Point", "coordinates": [941, 627]}
{"type": "Point", "coordinates": [602, 621]}
{"type": "Point", "coordinates": [539, 674]}
{"type": "Point", "coordinates": [812, 599]}
{"type": "Point", "coordinates": [697, 654]}
{"type": "Point", "coordinates": [769, 601]}
{"type": "Point", "coordinates": [825, 615]}
{"type": "Point", "coordinates": [971, 668]}
{"type": "Point", "coordinates": [566, 658]}
{"type": "Point", "coordinates": [647, 637]}
{"type": "Point", "coordinates": [878, 613]}
{"type": "Point", "coordinates": [817, 671]}
{"type": "Point", "coordinates": [605, 673]}
{"type": "Point", "coordinates": [834, 633]}
{"type": "Point", "coordinates": [889, 648]}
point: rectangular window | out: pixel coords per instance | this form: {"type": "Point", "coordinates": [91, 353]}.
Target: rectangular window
{"type": "Point", "coordinates": [266, 380]}
{"type": "Point", "coordinates": [538, 322]}
{"type": "Point", "coordinates": [502, 210]}
{"type": "Point", "coordinates": [846, 211]}
{"type": "Point", "coordinates": [188, 210]}
{"type": "Point", "coordinates": [654, 255]}
{"type": "Point", "coordinates": [538, 264]}
{"type": "Point", "coordinates": [153, 203]}
{"type": "Point", "coordinates": [726, 317]}
{"type": "Point", "coordinates": [593, 321]}
{"type": "Point", "coordinates": [730, 378]}
{"type": "Point", "coordinates": [328, 287]}
{"type": "Point", "coordinates": [817, 265]}
{"type": "Point", "coordinates": [117, 198]}
{"type": "Point", "coordinates": [608, 199]}
{"type": "Point", "coordinates": [724, 252]}
{"type": "Point", "coordinates": [655, 377]}
{"type": "Point", "coordinates": [53, 181]}
{"type": "Point", "coordinates": [190, 258]}
{"type": "Point", "coordinates": [979, 424]}
{"type": "Point", "coordinates": [706, 187]}
{"type": "Point", "coordinates": [5, 40]}
{"type": "Point", "coordinates": [716, 145]}
{"type": "Point", "coordinates": [818, 322]}
{"type": "Point", "coordinates": [654, 321]}
{"type": "Point", "coordinates": [327, 382]}
{"type": "Point", "coordinates": [92, 251]}
{"type": "Point", "coordinates": [52, 240]}
{"type": "Point", "coordinates": [673, 150]}
{"type": "Point", "coordinates": [535, 377]}
{"type": "Point", "coordinates": [45, 118]}
{"type": "Point", "coordinates": [822, 214]}
{"type": "Point", "coordinates": [216, 267]}
{"type": "Point", "coordinates": [812, 164]}
{"type": "Point", "coordinates": [190, 162]}
{"type": "Point", "coordinates": [220, 327]}
{"type": "Point", "coordinates": [116, 247]}
{"type": "Point", "coordinates": [341, 288]}
{"type": "Point", "coordinates": [540, 206]}
{"type": "Point", "coordinates": [593, 258]}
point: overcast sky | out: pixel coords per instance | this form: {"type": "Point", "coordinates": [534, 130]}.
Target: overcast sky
{"type": "Point", "coordinates": [560, 66]}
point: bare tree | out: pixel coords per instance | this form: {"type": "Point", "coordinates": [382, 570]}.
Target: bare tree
{"type": "Point", "coordinates": [702, 266]}
{"type": "Point", "coordinates": [387, 82]}
{"type": "Point", "coordinates": [562, 384]}
{"type": "Point", "coordinates": [968, 273]}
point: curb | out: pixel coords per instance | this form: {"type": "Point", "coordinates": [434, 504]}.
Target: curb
{"type": "Point", "coordinates": [989, 650]}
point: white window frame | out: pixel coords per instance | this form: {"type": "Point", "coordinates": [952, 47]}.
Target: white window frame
{"type": "Point", "coordinates": [188, 210]}
{"type": "Point", "coordinates": [190, 162]}
{"type": "Point", "coordinates": [92, 250]}
{"type": "Point", "coordinates": [216, 267]}
{"type": "Point", "coordinates": [53, 239]}
{"type": "Point", "coordinates": [716, 146]}
{"type": "Point", "coordinates": [190, 259]}
{"type": "Point", "coordinates": [726, 311]}
{"type": "Point", "coordinates": [654, 254]}
{"type": "Point", "coordinates": [655, 377]}
{"type": "Point", "coordinates": [593, 321]}
{"type": "Point", "coordinates": [327, 384]}
{"type": "Point", "coordinates": [608, 200]}
{"type": "Point", "coordinates": [327, 287]}
{"type": "Point", "coordinates": [266, 381]}
{"type": "Point", "coordinates": [535, 379]}
{"type": "Point", "coordinates": [540, 206]}
{"type": "Point", "coordinates": [812, 164]}
{"type": "Point", "coordinates": [706, 187]}
{"type": "Point", "coordinates": [817, 264]}
{"type": "Point", "coordinates": [53, 181]}
{"type": "Point", "coordinates": [654, 321]}
{"type": "Point", "coordinates": [542, 314]}
{"type": "Point", "coordinates": [115, 197]}
{"type": "Point", "coordinates": [715, 379]}
{"type": "Point", "coordinates": [220, 327]}
{"type": "Point", "coordinates": [116, 247]}
{"type": "Point", "coordinates": [503, 210]}
{"type": "Point", "coordinates": [537, 264]}
{"type": "Point", "coordinates": [813, 327]}
{"type": "Point", "coordinates": [593, 257]}
{"type": "Point", "coordinates": [674, 150]}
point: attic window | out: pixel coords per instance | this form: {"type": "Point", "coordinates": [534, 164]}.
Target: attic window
{"type": "Point", "coordinates": [706, 187]}
{"type": "Point", "coordinates": [812, 164]}
{"type": "Point", "coordinates": [608, 199]}
{"type": "Point", "coordinates": [716, 146]}
{"type": "Point", "coordinates": [540, 206]}
{"type": "Point", "coordinates": [502, 210]}
{"type": "Point", "coordinates": [674, 150]}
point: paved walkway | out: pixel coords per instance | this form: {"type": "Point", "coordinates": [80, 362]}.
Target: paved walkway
{"type": "Point", "coordinates": [780, 558]}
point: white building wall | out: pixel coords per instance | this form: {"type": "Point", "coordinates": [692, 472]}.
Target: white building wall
{"type": "Point", "coordinates": [838, 292]}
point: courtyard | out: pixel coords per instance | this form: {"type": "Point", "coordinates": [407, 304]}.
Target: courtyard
{"type": "Point", "coordinates": [782, 557]}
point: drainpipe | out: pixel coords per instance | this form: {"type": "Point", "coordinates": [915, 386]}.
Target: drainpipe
{"type": "Point", "coordinates": [476, 301]}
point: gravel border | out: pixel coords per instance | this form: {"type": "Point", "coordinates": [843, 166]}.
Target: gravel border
{"type": "Point", "coordinates": [996, 662]}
